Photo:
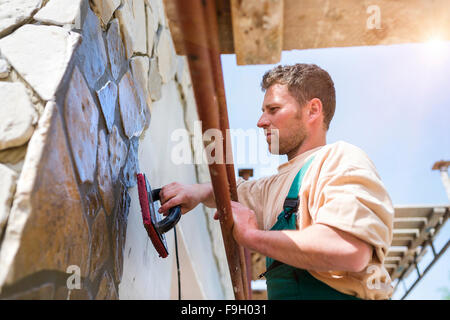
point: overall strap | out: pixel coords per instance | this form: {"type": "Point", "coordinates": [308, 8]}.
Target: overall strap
{"type": "Point", "coordinates": [287, 218]}
{"type": "Point", "coordinates": [292, 201]}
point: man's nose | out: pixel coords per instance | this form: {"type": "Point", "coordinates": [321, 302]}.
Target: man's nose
{"type": "Point", "coordinates": [263, 122]}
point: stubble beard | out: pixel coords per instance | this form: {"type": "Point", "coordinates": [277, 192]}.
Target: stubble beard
{"type": "Point", "coordinates": [289, 144]}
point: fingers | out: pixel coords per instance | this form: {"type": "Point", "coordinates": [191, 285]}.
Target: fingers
{"type": "Point", "coordinates": [169, 204]}
{"type": "Point", "coordinates": [169, 191]}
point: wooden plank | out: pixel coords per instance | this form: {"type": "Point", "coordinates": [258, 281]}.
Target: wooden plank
{"type": "Point", "coordinates": [343, 23]}
{"type": "Point", "coordinates": [257, 30]}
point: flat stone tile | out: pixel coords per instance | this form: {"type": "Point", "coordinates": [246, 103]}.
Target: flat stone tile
{"type": "Point", "coordinates": [46, 228]}
{"type": "Point", "coordinates": [118, 152]}
{"type": "Point", "coordinates": [105, 9]}
{"type": "Point", "coordinates": [107, 289]}
{"type": "Point", "coordinates": [92, 52]}
{"type": "Point", "coordinates": [133, 24]}
{"type": "Point", "coordinates": [81, 116]}
{"type": "Point", "coordinates": [132, 165]}
{"type": "Point", "coordinates": [154, 80]}
{"type": "Point", "coordinates": [140, 67]}
{"type": "Point", "coordinates": [167, 60]}
{"type": "Point", "coordinates": [108, 98]}
{"type": "Point", "coordinates": [104, 174]}
{"type": "Point", "coordinates": [100, 246]}
{"type": "Point", "coordinates": [36, 50]}
{"type": "Point", "coordinates": [116, 49]}
{"type": "Point", "coordinates": [5, 68]}
{"type": "Point", "coordinates": [131, 102]}
{"type": "Point", "coordinates": [61, 12]}
{"type": "Point", "coordinates": [7, 189]}
{"type": "Point", "coordinates": [15, 12]}
{"type": "Point", "coordinates": [18, 116]}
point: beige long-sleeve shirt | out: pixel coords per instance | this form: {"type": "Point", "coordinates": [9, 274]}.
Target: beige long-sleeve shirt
{"type": "Point", "coordinates": [341, 189]}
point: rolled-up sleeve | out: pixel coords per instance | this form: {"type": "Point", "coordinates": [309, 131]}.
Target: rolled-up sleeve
{"type": "Point", "coordinates": [250, 194]}
{"type": "Point", "coordinates": [356, 201]}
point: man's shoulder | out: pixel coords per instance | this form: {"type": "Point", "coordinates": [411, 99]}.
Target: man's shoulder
{"type": "Point", "coordinates": [345, 155]}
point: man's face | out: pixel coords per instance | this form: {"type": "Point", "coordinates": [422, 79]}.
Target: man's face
{"type": "Point", "coordinates": [281, 111]}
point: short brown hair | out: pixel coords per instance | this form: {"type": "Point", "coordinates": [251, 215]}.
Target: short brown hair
{"type": "Point", "coordinates": [305, 82]}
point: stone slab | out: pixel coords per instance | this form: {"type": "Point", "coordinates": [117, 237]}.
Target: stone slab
{"type": "Point", "coordinates": [46, 228]}
{"type": "Point", "coordinates": [36, 50]}
{"type": "Point", "coordinates": [154, 80]}
{"type": "Point", "coordinates": [92, 52]}
{"type": "Point", "coordinates": [7, 189]}
{"type": "Point", "coordinates": [140, 67]}
{"type": "Point", "coordinates": [5, 68]}
{"type": "Point", "coordinates": [81, 116]}
{"type": "Point", "coordinates": [118, 152]}
{"type": "Point", "coordinates": [133, 24]}
{"type": "Point", "coordinates": [131, 102]}
{"type": "Point", "coordinates": [105, 9]}
{"type": "Point", "coordinates": [107, 96]}
{"type": "Point", "coordinates": [167, 60]}
{"type": "Point", "coordinates": [132, 165]}
{"type": "Point", "coordinates": [18, 115]}
{"type": "Point", "coordinates": [116, 49]}
{"type": "Point", "coordinates": [104, 174]}
{"type": "Point", "coordinates": [15, 12]}
{"type": "Point", "coordinates": [61, 12]}
{"type": "Point", "coordinates": [100, 246]}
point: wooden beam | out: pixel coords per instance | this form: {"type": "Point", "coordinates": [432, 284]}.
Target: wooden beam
{"type": "Point", "coordinates": [257, 30]}
{"type": "Point", "coordinates": [308, 24]}
{"type": "Point", "coordinates": [342, 23]}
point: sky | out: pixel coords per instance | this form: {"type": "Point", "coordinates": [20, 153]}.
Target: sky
{"type": "Point", "coordinates": [391, 101]}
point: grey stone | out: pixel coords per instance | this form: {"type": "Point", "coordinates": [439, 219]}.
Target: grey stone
{"type": "Point", "coordinates": [15, 12]}
{"type": "Point", "coordinates": [5, 68]}
{"type": "Point", "coordinates": [118, 152]}
{"type": "Point", "coordinates": [81, 115]}
{"type": "Point", "coordinates": [108, 98]}
{"type": "Point", "coordinates": [116, 50]}
{"type": "Point", "coordinates": [61, 12]}
{"type": "Point", "coordinates": [18, 115]}
{"type": "Point", "coordinates": [92, 53]}
{"type": "Point", "coordinates": [7, 189]}
{"type": "Point", "coordinates": [35, 51]}
{"type": "Point", "coordinates": [104, 175]}
{"type": "Point", "coordinates": [132, 165]}
{"type": "Point", "coordinates": [131, 104]}
{"type": "Point", "coordinates": [155, 80]}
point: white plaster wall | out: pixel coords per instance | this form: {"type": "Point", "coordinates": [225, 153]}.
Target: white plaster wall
{"type": "Point", "coordinates": [145, 275]}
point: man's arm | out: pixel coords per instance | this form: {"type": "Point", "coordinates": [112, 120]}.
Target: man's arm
{"type": "Point", "coordinates": [318, 247]}
{"type": "Point", "coordinates": [186, 196]}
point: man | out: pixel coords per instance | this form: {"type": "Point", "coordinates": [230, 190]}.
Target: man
{"type": "Point", "coordinates": [325, 220]}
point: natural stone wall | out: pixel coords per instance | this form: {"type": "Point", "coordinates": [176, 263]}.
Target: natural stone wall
{"type": "Point", "coordinates": [77, 82]}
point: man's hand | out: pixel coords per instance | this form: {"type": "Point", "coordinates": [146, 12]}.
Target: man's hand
{"type": "Point", "coordinates": [185, 195]}
{"type": "Point", "coordinates": [244, 221]}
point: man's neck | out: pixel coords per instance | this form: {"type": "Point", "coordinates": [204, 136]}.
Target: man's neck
{"type": "Point", "coordinates": [306, 145]}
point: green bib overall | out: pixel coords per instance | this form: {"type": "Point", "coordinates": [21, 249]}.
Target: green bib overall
{"type": "Point", "coordinates": [285, 282]}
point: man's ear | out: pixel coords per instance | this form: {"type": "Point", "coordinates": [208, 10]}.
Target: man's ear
{"type": "Point", "coordinates": [315, 109]}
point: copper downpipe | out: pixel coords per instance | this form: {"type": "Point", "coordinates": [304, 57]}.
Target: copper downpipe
{"type": "Point", "coordinates": [214, 49]}
{"type": "Point", "coordinates": [207, 81]}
